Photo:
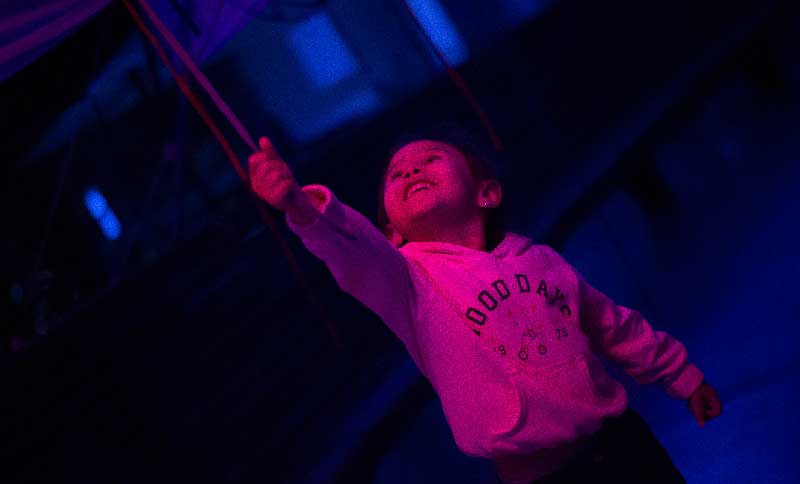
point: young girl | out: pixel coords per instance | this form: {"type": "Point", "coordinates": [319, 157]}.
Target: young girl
{"type": "Point", "coordinates": [505, 330]}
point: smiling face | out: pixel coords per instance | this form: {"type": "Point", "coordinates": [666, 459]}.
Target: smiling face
{"type": "Point", "coordinates": [428, 183]}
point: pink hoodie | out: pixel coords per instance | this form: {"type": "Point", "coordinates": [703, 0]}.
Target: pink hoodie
{"type": "Point", "coordinates": [507, 339]}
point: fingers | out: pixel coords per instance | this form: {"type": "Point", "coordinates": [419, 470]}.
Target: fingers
{"type": "Point", "coordinates": [706, 406]}
{"type": "Point", "coordinates": [262, 162]}
{"type": "Point", "coordinates": [713, 406]}
{"type": "Point", "coordinates": [267, 147]}
{"type": "Point", "coordinates": [261, 159]}
{"type": "Point", "coordinates": [697, 410]}
{"type": "Point", "coordinates": [258, 163]}
{"type": "Point", "coordinates": [270, 176]}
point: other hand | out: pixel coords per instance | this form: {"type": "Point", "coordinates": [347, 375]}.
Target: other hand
{"type": "Point", "coordinates": [705, 404]}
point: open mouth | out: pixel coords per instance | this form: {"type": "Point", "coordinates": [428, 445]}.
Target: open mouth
{"type": "Point", "coordinates": [417, 187]}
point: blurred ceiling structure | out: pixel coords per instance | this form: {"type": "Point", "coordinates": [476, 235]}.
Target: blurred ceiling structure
{"type": "Point", "coordinates": [93, 91]}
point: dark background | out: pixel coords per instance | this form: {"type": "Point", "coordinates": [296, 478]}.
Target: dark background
{"type": "Point", "coordinates": [654, 144]}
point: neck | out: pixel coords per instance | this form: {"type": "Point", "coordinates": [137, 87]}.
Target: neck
{"type": "Point", "coordinates": [470, 233]}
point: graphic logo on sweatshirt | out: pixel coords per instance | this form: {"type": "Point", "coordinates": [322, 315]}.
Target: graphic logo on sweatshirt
{"type": "Point", "coordinates": [488, 301]}
{"type": "Point", "coordinates": [532, 338]}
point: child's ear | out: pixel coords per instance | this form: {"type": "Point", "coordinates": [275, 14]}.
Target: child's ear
{"type": "Point", "coordinates": [490, 193]}
{"type": "Point", "coordinates": [393, 235]}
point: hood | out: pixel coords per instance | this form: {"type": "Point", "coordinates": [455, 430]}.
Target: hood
{"type": "Point", "coordinates": [512, 245]}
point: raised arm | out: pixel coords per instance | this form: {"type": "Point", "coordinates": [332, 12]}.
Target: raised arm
{"type": "Point", "coordinates": [362, 261]}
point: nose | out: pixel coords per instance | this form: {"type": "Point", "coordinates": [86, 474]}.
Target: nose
{"type": "Point", "coordinates": [416, 170]}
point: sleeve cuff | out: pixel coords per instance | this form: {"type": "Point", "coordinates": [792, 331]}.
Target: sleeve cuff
{"type": "Point", "coordinates": [323, 199]}
{"type": "Point", "coordinates": [689, 380]}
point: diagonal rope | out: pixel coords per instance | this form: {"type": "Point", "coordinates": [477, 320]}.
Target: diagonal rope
{"type": "Point", "coordinates": [205, 116]}
{"type": "Point", "coordinates": [458, 81]}
{"type": "Point", "coordinates": [198, 74]}
{"type": "Point", "coordinates": [221, 104]}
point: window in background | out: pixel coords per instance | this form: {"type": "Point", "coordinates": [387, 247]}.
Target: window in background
{"type": "Point", "coordinates": [321, 51]}
{"type": "Point", "coordinates": [440, 29]}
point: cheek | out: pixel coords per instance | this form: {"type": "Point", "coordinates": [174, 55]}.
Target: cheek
{"type": "Point", "coordinates": [456, 184]}
{"type": "Point", "coordinates": [390, 200]}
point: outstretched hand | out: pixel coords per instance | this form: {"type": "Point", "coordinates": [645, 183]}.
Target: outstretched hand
{"type": "Point", "coordinates": [705, 404]}
{"type": "Point", "coordinates": [271, 177]}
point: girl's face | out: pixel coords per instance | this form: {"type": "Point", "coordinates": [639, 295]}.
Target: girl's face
{"type": "Point", "coordinates": [428, 182]}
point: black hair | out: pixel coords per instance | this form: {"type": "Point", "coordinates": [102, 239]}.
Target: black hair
{"type": "Point", "coordinates": [482, 165]}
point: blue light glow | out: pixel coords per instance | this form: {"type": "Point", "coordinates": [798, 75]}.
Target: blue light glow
{"type": "Point", "coordinates": [441, 29]}
{"type": "Point", "coordinates": [100, 211]}
{"type": "Point", "coordinates": [95, 202]}
{"type": "Point", "coordinates": [321, 51]}
{"type": "Point", "coordinates": [110, 225]}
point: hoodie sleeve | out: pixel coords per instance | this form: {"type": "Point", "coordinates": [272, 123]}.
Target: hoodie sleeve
{"type": "Point", "coordinates": [362, 261]}
{"type": "Point", "coordinates": [624, 336]}
{"type": "Point", "coordinates": [647, 355]}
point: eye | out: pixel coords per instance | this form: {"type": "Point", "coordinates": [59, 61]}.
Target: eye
{"type": "Point", "coordinates": [431, 159]}
{"type": "Point", "coordinates": [395, 175]}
